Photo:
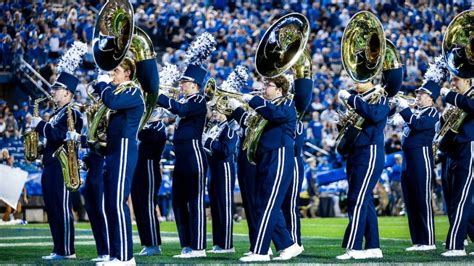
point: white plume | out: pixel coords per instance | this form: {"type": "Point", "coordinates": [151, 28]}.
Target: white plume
{"type": "Point", "coordinates": [71, 60]}
{"type": "Point", "coordinates": [169, 74]}
{"type": "Point", "coordinates": [437, 70]}
{"type": "Point", "coordinates": [236, 80]}
{"type": "Point", "coordinates": [200, 49]}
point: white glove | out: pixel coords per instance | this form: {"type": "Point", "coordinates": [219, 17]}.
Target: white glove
{"type": "Point", "coordinates": [35, 121]}
{"type": "Point", "coordinates": [343, 95]}
{"type": "Point", "coordinates": [104, 76]}
{"type": "Point", "coordinates": [73, 135]}
{"type": "Point", "coordinates": [247, 97]}
{"type": "Point", "coordinates": [444, 91]}
{"type": "Point", "coordinates": [402, 104]}
{"type": "Point", "coordinates": [234, 104]}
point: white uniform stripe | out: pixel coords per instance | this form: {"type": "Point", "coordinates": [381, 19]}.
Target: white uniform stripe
{"type": "Point", "coordinates": [118, 197]}
{"type": "Point", "coordinates": [104, 216]}
{"type": "Point", "coordinates": [361, 196]}
{"type": "Point", "coordinates": [459, 209]}
{"type": "Point", "coordinates": [427, 192]}
{"type": "Point", "coordinates": [293, 202]}
{"type": "Point", "coordinates": [271, 201]}
{"type": "Point", "coordinates": [122, 200]}
{"type": "Point", "coordinates": [226, 176]}
{"type": "Point", "coordinates": [200, 228]}
{"type": "Point", "coordinates": [153, 210]}
{"type": "Point", "coordinates": [150, 219]}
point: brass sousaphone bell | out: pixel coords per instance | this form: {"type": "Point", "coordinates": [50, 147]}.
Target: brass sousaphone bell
{"type": "Point", "coordinates": [458, 45]}
{"type": "Point", "coordinates": [363, 47]}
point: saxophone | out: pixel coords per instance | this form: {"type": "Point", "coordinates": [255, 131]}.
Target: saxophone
{"type": "Point", "coordinates": [453, 118]}
{"type": "Point", "coordinates": [68, 158]}
{"type": "Point", "coordinates": [31, 138]}
{"type": "Point", "coordinates": [352, 120]}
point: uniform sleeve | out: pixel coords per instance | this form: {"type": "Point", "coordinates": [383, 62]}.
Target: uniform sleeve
{"type": "Point", "coordinates": [130, 98]}
{"type": "Point", "coordinates": [461, 101]}
{"type": "Point", "coordinates": [303, 94]}
{"type": "Point", "coordinates": [223, 146]}
{"type": "Point", "coordinates": [373, 112]}
{"type": "Point", "coordinates": [239, 115]}
{"type": "Point", "coordinates": [274, 113]}
{"type": "Point", "coordinates": [57, 133]}
{"type": "Point", "coordinates": [195, 106]}
{"type": "Point", "coordinates": [421, 123]}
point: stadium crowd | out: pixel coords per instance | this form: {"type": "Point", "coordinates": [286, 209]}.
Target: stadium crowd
{"type": "Point", "coordinates": [41, 32]}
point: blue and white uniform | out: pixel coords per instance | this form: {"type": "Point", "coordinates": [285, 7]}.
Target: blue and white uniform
{"type": "Point", "coordinates": [417, 177]}
{"type": "Point", "coordinates": [146, 182]}
{"type": "Point", "coordinates": [120, 162]}
{"type": "Point", "coordinates": [222, 183]}
{"type": "Point", "coordinates": [189, 176]}
{"type": "Point", "coordinates": [56, 197]}
{"type": "Point", "coordinates": [364, 166]}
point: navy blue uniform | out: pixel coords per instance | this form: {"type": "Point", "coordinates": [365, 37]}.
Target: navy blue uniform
{"type": "Point", "coordinates": [189, 176]}
{"type": "Point", "coordinates": [247, 176]}
{"type": "Point", "coordinates": [120, 162]}
{"type": "Point", "coordinates": [56, 197]}
{"type": "Point", "coordinates": [460, 173]}
{"type": "Point", "coordinates": [94, 199]}
{"type": "Point", "coordinates": [417, 177]}
{"type": "Point", "coordinates": [146, 182]}
{"type": "Point", "coordinates": [221, 184]}
{"type": "Point", "coordinates": [364, 166]}
{"type": "Point", "coordinates": [275, 165]}
{"type": "Point", "coordinates": [291, 204]}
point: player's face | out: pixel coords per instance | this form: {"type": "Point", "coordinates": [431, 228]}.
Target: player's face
{"type": "Point", "coordinates": [423, 99]}
{"type": "Point", "coordinates": [460, 85]}
{"type": "Point", "coordinates": [271, 91]}
{"type": "Point", "coordinates": [120, 75]}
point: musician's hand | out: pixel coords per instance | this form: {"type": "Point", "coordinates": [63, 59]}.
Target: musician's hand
{"type": "Point", "coordinates": [73, 135]}
{"type": "Point", "coordinates": [444, 91]}
{"type": "Point", "coordinates": [247, 97]}
{"type": "Point", "coordinates": [234, 104]}
{"type": "Point", "coordinates": [35, 121]}
{"type": "Point", "coordinates": [402, 104]}
{"type": "Point", "coordinates": [343, 95]}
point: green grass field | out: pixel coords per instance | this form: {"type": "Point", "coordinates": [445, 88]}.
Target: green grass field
{"type": "Point", "coordinates": [321, 238]}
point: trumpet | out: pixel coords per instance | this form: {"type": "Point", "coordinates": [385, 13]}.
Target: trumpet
{"type": "Point", "coordinates": [170, 91]}
{"type": "Point", "coordinates": [410, 99]}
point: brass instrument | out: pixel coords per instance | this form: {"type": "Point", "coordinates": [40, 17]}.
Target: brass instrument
{"type": "Point", "coordinates": [68, 157]}
{"type": "Point", "coordinates": [31, 137]}
{"type": "Point", "coordinates": [114, 36]}
{"type": "Point", "coordinates": [458, 45]}
{"type": "Point", "coordinates": [410, 99]}
{"type": "Point", "coordinates": [458, 51]}
{"type": "Point", "coordinates": [283, 46]}
{"type": "Point", "coordinates": [364, 55]}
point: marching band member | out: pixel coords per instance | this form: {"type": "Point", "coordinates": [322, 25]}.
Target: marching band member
{"type": "Point", "coordinates": [220, 143]}
{"type": "Point", "coordinates": [291, 205]}
{"type": "Point", "coordinates": [56, 197]}
{"type": "Point", "coordinates": [146, 183]}
{"type": "Point", "coordinates": [147, 175]}
{"type": "Point", "coordinates": [221, 158]}
{"type": "Point", "coordinates": [417, 177]}
{"type": "Point", "coordinates": [460, 167]}
{"type": "Point", "coordinates": [364, 166]}
{"type": "Point", "coordinates": [189, 176]}
{"type": "Point", "coordinates": [275, 165]}
{"type": "Point", "coordinates": [121, 155]}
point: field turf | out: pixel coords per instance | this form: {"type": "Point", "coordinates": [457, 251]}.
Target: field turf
{"type": "Point", "coordinates": [321, 239]}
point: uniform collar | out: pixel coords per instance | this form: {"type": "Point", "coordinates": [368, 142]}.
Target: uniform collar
{"type": "Point", "coordinates": [470, 91]}
{"type": "Point", "coordinates": [191, 95]}
{"type": "Point", "coordinates": [276, 99]}
{"type": "Point", "coordinates": [368, 92]}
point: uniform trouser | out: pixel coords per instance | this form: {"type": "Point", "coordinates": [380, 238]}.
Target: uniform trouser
{"type": "Point", "coordinates": [94, 202]}
{"type": "Point", "coordinates": [221, 189]}
{"type": "Point", "coordinates": [246, 174]}
{"type": "Point", "coordinates": [189, 181]}
{"type": "Point", "coordinates": [460, 178]}
{"type": "Point", "coordinates": [417, 192]}
{"type": "Point", "coordinates": [364, 167]}
{"type": "Point", "coordinates": [145, 185]}
{"type": "Point", "coordinates": [274, 174]}
{"type": "Point", "coordinates": [291, 203]}
{"type": "Point", "coordinates": [120, 165]}
{"type": "Point", "coordinates": [59, 209]}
